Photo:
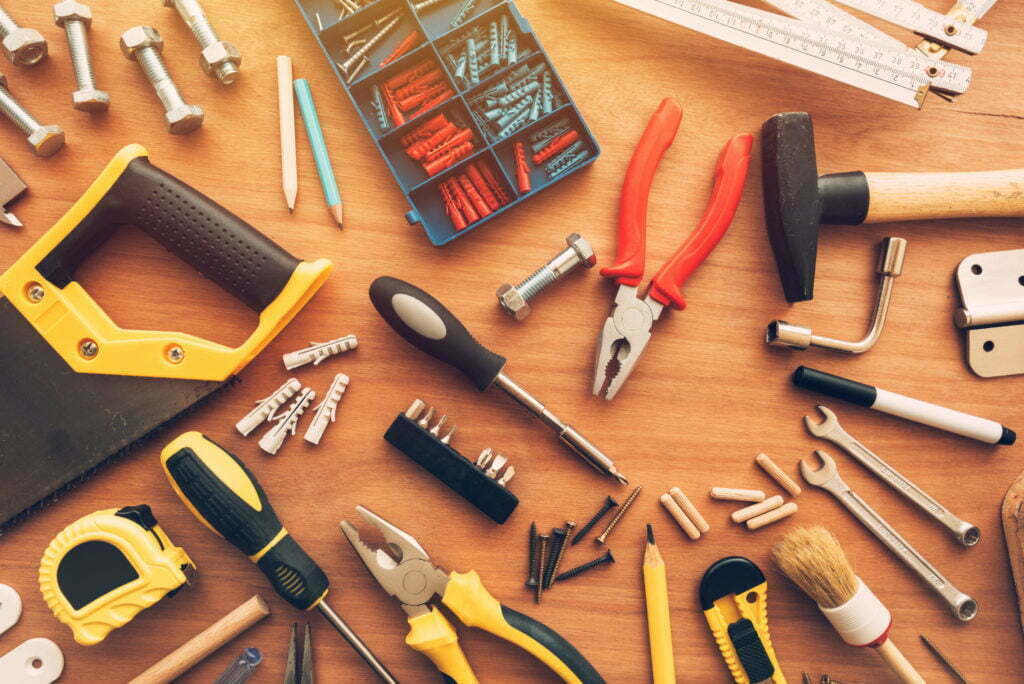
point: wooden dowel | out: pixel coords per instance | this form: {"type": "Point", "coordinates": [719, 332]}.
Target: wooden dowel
{"type": "Point", "coordinates": [754, 510]}
{"type": "Point", "coordinates": [778, 474]}
{"type": "Point", "coordinates": [677, 513]}
{"type": "Point", "coordinates": [199, 647]}
{"type": "Point", "coordinates": [771, 516]}
{"type": "Point", "coordinates": [691, 511]}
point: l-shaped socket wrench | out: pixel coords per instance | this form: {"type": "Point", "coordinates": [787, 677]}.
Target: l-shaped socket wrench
{"type": "Point", "coordinates": [827, 477]}
{"type": "Point", "coordinates": [830, 429]}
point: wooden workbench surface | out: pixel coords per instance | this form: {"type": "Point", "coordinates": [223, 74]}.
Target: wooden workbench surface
{"type": "Point", "coordinates": [705, 399]}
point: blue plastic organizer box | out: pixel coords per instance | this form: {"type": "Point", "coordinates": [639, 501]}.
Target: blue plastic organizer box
{"type": "Point", "coordinates": [478, 88]}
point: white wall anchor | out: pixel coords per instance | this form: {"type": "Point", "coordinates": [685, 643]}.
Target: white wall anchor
{"type": "Point", "coordinates": [326, 412]}
{"type": "Point", "coordinates": [268, 406]}
{"type": "Point", "coordinates": [992, 292]}
{"type": "Point", "coordinates": [272, 441]}
{"type": "Point", "coordinates": [318, 352]}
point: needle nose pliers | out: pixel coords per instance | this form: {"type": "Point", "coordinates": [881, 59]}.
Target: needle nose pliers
{"type": "Point", "coordinates": [404, 570]}
{"type": "Point", "coordinates": [627, 330]}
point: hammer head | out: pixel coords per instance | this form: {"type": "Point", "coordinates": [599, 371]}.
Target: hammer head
{"type": "Point", "coordinates": [792, 205]}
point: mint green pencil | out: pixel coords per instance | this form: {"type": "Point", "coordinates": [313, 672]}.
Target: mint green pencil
{"type": "Point", "coordinates": [316, 141]}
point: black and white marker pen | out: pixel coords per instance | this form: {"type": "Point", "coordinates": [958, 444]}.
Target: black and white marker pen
{"type": "Point", "coordinates": [981, 429]}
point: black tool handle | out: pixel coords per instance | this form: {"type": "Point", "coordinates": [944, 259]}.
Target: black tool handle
{"type": "Point", "coordinates": [205, 235]}
{"type": "Point", "coordinates": [426, 324]}
{"type": "Point", "coordinates": [225, 496]}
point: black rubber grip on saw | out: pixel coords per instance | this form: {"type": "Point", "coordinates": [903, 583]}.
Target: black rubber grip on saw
{"type": "Point", "coordinates": [426, 324]}
{"type": "Point", "coordinates": [294, 575]}
{"type": "Point", "coordinates": [205, 235]}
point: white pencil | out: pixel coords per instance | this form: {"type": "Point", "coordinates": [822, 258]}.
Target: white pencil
{"type": "Point", "coordinates": [286, 109]}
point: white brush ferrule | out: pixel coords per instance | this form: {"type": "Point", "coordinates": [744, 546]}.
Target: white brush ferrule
{"type": "Point", "coordinates": [861, 621]}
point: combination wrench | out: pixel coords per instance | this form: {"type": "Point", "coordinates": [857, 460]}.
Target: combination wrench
{"type": "Point", "coordinates": [827, 477]}
{"type": "Point", "coordinates": [830, 429]}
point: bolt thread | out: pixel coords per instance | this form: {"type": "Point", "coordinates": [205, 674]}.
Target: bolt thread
{"type": "Point", "coordinates": [540, 279]}
{"type": "Point", "coordinates": [156, 72]}
{"type": "Point", "coordinates": [580, 569]}
{"type": "Point", "coordinates": [203, 31]}
{"type": "Point", "coordinates": [78, 44]}
{"type": "Point", "coordinates": [18, 115]}
{"type": "Point", "coordinates": [7, 24]}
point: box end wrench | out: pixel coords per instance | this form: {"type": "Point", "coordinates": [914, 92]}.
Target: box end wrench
{"type": "Point", "coordinates": [830, 429]}
{"type": "Point", "coordinates": [826, 477]}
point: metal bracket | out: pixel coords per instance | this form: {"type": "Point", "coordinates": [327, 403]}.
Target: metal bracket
{"type": "Point", "coordinates": [991, 289]}
{"type": "Point", "coordinates": [892, 252]}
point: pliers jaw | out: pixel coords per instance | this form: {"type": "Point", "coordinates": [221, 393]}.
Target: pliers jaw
{"type": "Point", "coordinates": [403, 569]}
{"type": "Point", "coordinates": [623, 339]}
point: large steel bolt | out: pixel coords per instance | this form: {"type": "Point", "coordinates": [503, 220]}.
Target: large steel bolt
{"type": "Point", "coordinates": [219, 58]}
{"type": "Point", "coordinates": [143, 44]}
{"type": "Point", "coordinates": [75, 18]}
{"type": "Point", "coordinates": [45, 140]}
{"type": "Point", "coordinates": [514, 300]}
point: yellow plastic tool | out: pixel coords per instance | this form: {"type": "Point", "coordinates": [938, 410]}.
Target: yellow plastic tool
{"type": "Point", "coordinates": [103, 569]}
{"type": "Point", "coordinates": [734, 598]}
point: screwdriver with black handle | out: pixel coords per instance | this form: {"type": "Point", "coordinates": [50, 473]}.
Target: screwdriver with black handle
{"type": "Point", "coordinates": [222, 493]}
{"type": "Point", "coordinates": [425, 323]}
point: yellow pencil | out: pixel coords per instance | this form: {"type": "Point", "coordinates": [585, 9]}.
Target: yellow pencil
{"type": "Point", "coordinates": [659, 629]}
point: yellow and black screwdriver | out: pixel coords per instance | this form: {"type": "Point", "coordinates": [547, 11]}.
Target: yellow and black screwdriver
{"type": "Point", "coordinates": [222, 493]}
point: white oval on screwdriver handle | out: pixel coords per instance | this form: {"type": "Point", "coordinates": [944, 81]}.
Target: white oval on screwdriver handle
{"type": "Point", "coordinates": [36, 661]}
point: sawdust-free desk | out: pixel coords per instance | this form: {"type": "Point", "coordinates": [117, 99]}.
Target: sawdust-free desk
{"type": "Point", "coordinates": [707, 397]}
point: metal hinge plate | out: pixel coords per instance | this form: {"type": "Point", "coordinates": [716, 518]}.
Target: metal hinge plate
{"type": "Point", "coordinates": [992, 293]}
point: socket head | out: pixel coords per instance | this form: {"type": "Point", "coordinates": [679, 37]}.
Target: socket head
{"type": "Point", "coordinates": [139, 37]}
{"type": "Point", "coordinates": [181, 120]}
{"type": "Point", "coordinates": [70, 10]}
{"type": "Point", "coordinates": [91, 100]}
{"type": "Point", "coordinates": [579, 245]}
{"type": "Point", "coordinates": [512, 302]}
{"type": "Point", "coordinates": [24, 47]}
{"type": "Point", "coordinates": [221, 60]}
{"type": "Point", "coordinates": [46, 140]}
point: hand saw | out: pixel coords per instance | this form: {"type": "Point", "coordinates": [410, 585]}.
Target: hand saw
{"type": "Point", "coordinates": [840, 47]}
{"type": "Point", "coordinates": [77, 389]}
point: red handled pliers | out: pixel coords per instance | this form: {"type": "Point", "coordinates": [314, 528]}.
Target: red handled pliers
{"type": "Point", "coordinates": [628, 330]}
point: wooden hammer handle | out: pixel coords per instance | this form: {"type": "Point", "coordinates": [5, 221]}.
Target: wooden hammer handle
{"type": "Point", "coordinates": [972, 194]}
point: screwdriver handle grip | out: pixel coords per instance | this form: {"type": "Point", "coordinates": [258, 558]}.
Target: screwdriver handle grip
{"type": "Point", "coordinates": [221, 492]}
{"type": "Point", "coordinates": [426, 324]}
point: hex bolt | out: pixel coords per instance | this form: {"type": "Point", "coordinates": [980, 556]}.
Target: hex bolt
{"type": "Point", "coordinates": [569, 526]}
{"type": "Point", "coordinates": [143, 44]}
{"type": "Point", "coordinates": [219, 58]}
{"type": "Point", "coordinates": [514, 299]}
{"type": "Point", "coordinates": [22, 46]}
{"type": "Point", "coordinates": [609, 504]}
{"type": "Point", "coordinates": [558, 536]}
{"type": "Point", "coordinates": [75, 18]}
{"type": "Point", "coordinates": [543, 541]}
{"type": "Point", "coordinates": [580, 569]}
{"type": "Point", "coordinates": [45, 140]}
{"type": "Point", "coordinates": [533, 571]}
{"type": "Point", "coordinates": [618, 515]}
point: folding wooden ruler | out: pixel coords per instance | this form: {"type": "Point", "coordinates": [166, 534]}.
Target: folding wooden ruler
{"type": "Point", "coordinates": [827, 40]}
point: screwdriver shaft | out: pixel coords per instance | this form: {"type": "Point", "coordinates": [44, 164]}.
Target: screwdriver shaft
{"type": "Point", "coordinates": [355, 642]}
{"type": "Point", "coordinates": [568, 434]}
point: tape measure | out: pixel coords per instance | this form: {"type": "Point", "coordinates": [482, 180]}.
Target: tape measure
{"type": "Point", "coordinates": [734, 598]}
{"type": "Point", "coordinates": [101, 570]}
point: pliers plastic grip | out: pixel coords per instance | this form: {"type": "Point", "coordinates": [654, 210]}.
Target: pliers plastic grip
{"type": "Point", "coordinates": [628, 330]}
{"type": "Point", "coordinates": [405, 572]}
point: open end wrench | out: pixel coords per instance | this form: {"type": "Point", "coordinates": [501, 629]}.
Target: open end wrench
{"type": "Point", "coordinates": [830, 429]}
{"type": "Point", "coordinates": [827, 477]}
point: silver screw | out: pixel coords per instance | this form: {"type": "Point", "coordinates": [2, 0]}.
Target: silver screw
{"type": "Point", "coordinates": [144, 45]}
{"type": "Point", "coordinates": [514, 299]}
{"type": "Point", "coordinates": [45, 140]}
{"type": "Point", "coordinates": [219, 58]}
{"type": "Point", "coordinates": [35, 292]}
{"type": "Point", "coordinates": [22, 46]}
{"type": "Point", "coordinates": [88, 349]}
{"type": "Point", "coordinates": [76, 18]}
{"type": "Point", "coordinates": [175, 354]}
{"type": "Point", "coordinates": [618, 515]}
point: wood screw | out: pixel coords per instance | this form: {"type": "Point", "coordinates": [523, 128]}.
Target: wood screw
{"type": "Point", "coordinates": [618, 515]}
{"type": "Point", "coordinates": [580, 569]}
{"type": "Point", "coordinates": [609, 504]}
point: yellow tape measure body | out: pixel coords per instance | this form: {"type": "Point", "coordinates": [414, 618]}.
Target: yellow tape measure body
{"type": "Point", "coordinates": [734, 598]}
{"type": "Point", "coordinates": [104, 568]}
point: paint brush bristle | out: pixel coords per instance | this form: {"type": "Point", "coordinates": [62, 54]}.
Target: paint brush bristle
{"type": "Point", "coordinates": [813, 559]}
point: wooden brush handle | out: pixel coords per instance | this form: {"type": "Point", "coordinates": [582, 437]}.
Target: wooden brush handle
{"type": "Point", "coordinates": [914, 196]}
{"type": "Point", "coordinates": [898, 663]}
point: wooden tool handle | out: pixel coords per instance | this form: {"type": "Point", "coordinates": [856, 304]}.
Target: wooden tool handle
{"type": "Point", "coordinates": [914, 196]}
{"type": "Point", "coordinates": [1013, 530]}
{"type": "Point", "coordinates": [196, 649]}
{"type": "Point", "coordinates": [898, 663]}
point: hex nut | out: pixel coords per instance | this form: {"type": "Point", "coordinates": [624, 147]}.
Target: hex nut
{"type": "Point", "coordinates": [512, 302]}
{"type": "Point", "coordinates": [70, 10]}
{"type": "Point", "coordinates": [24, 47]}
{"type": "Point", "coordinates": [185, 119]}
{"type": "Point", "coordinates": [139, 37]}
{"type": "Point", "coordinates": [46, 140]}
{"type": "Point", "coordinates": [214, 57]}
{"type": "Point", "coordinates": [580, 245]}
{"type": "Point", "coordinates": [91, 100]}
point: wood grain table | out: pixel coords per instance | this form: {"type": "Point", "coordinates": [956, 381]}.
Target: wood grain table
{"type": "Point", "coordinates": [706, 398]}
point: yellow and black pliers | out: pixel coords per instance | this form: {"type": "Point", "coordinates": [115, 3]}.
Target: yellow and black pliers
{"type": "Point", "coordinates": [405, 571]}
